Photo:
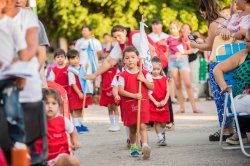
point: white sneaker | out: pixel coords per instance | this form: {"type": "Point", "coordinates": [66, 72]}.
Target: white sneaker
{"type": "Point", "coordinates": [116, 128]}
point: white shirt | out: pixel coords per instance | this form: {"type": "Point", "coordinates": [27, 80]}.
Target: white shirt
{"type": "Point", "coordinates": [12, 40]}
{"type": "Point", "coordinates": [68, 125]}
{"type": "Point", "coordinates": [32, 91]}
{"type": "Point", "coordinates": [116, 52]}
{"type": "Point", "coordinates": [82, 44]}
{"type": "Point", "coordinates": [157, 38]}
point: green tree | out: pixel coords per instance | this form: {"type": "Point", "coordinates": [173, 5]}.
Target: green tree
{"type": "Point", "coordinates": [64, 18]}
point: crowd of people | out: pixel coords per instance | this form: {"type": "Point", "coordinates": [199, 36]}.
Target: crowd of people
{"type": "Point", "coordinates": [123, 82]}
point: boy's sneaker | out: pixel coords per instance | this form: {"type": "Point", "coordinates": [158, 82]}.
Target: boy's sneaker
{"type": "Point", "coordinates": [79, 130]}
{"type": "Point", "coordinates": [146, 150]}
{"type": "Point", "coordinates": [84, 128]}
{"type": "Point", "coordinates": [234, 140]}
{"type": "Point", "coordinates": [134, 152]}
{"type": "Point", "coordinates": [162, 142]}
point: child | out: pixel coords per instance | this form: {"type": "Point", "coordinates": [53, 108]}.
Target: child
{"type": "Point", "coordinates": [159, 110]}
{"type": "Point", "coordinates": [58, 146]}
{"type": "Point", "coordinates": [128, 88]}
{"type": "Point", "coordinates": [59, 73]}
{"type": "Point", "coordinates": [75, 93]}
{"type": "Point", "coordinates": [107, 98]}
{"type": "Point", "coordinates": [117, 99]}
{"type": "Point", "coordinates": [178, 49]}
{"type": "Point", "coordinates": [13, 42]}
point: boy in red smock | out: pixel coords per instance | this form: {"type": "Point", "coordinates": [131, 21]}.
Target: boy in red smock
{"type": "Point", "coordinates": [59, 73]}
{"type": "Point", "coordinates": [128, 88]}
{"type": "Point", "coordinates": [75, 93]}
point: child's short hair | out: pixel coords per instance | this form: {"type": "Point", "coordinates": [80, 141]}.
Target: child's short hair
{"type": "Point", "coordinates": [54, 93]}
{"type": "Point", "coordinates": [130, 49]}
{"type": "Point", "coordinates": [58, 52]}
{"type": "Point", "coordinates": [72, 54]}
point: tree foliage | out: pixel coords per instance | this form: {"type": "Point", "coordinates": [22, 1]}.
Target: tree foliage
{"type": "Point", "coordinates": [65, 18]}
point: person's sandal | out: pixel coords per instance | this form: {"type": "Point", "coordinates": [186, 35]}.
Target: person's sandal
{"type": "Point", "coordinates": [216, 136]}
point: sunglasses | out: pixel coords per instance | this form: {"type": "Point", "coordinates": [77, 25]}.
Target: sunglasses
{"type": "Point", "coordinates": [247, 40]}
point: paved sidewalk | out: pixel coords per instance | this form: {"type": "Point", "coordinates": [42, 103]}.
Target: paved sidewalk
{"type": "Point", "coordinates": [188, 144]}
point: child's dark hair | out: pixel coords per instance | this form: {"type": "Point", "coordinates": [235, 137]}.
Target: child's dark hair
{"type": "Point", "coordinates": [130, 49]}
{"type": "Point", "coordinates": [157, 60]}
{"type": "Point", "coordinates": [54, 93]}
{"type": "Point", "coordinates": [58, 52]}
{"type": "Point", "coordinates": [120, 28]}
{"type": "Point", "coordinates": [72, 54]}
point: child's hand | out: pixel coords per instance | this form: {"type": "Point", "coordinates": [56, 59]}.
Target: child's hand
{"type": "Point", "coordinates": [141, 78]}
{"type": "Point", "coordinates": [157, 104]}
{"type": "Point", "coordinates": [81, 95]}
{"type": "Point", "coordinates": [20, 83]}
{"type": "Point", "coordinates": [163, 102]}
{"type": "Point", "coordinates": [137, 96]}
{"type": "Point", "coordinates": [75, 146]}
{"type": "Point", "coordinates": [117, 98]}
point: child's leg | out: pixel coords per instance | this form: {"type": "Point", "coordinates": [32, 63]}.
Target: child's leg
{"type": "Point", "coordinates": [132, 135]}
{"type": "Point", "coordinates": [116, 113]}
{"type": "Point", "coordinates": [158, 131]}
{"type": "Point", "coordinates": [111, 115]}
{"type": "Point", "coordinates": [146, 150]}
{"type": "Point", "coordinates": [74, 115]}
{"type": "Point", "coordinates": [134, 152]}
{"type": "Point", "coordinates": [67, 160]}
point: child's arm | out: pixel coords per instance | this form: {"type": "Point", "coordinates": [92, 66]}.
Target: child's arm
{"type": "Point", "coordinates": [128, 94]}
{"type": "Point", "coordinates": [72, 82]}
{"type": "Point", "coordinates": [70, 128]}
{"type": "Point", "coordinates": [169, 88]}
{"type": "Point", "coordinates": [77, 90]}
{"type": "Point", "coordinates": [149, 85]}
{"type": "Point", "coordinates": [74, 140]}
{"type": "Point", "coordinates": [156, 103]}
{"type": "Point", "coordinates": [115, 93]}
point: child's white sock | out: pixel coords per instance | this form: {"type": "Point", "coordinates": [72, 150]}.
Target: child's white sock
{"type": "Point", "coordinates": [80, 120]}
{"type": "Point", "coordinates": [160, 136]}
{"type": "Point", "coordinates": [76, 122]}
{"type": "Point", "coordinates": [132, 145]}
{"type": "Point", "coordinates": [127, 132]}
{"type": "Point", "coordinates": [162, 130]}
{"type": "Point", "coordinates": [116, 120]}
{"type": "Point", "coordinates": [144, 144]}
{"type": "Point", "coordinates": [112, 119]}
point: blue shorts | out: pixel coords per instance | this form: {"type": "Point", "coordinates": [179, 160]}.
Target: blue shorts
{"type": "Point", "coordinates": [178, 64]}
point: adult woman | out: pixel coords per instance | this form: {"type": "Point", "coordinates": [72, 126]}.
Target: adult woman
{"type": "Point", "coordinates": [238, 24]}
{"type": "Point", "coordinates": [210, 10]}
{"type": "Point", "coordinates": [240, 63]}
{"type": "Point", "coordinates": [125, 37]}
{"type": "Point", "coordinates": [178, 48]}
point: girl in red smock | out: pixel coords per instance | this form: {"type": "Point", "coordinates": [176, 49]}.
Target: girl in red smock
{"type": "Point", "coordinates": [128, 88]}
{"type": "Point", "coordinates": [159, 110]}
{"type": "Point", "coordinates": [58, 127]}
{"type": "Point", "coordinates": [107, 99]}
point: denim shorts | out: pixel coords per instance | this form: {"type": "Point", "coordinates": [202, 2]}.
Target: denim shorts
{"type": "Point", "coordinates": [178, 63]}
